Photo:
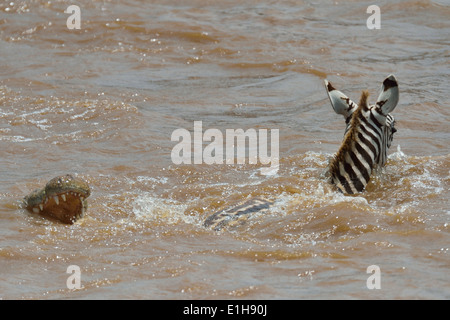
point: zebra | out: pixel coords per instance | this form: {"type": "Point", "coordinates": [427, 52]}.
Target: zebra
{"type": "Point", "coordinates": [368, 136]}
{"type": "Point", "coordinates": [237, 214]}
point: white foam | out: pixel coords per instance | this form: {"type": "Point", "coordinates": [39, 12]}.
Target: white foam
{"type": "Point", "coordinates": [41, 124]}
{"type": "Point", "coordinates": [16, 139]}
{"type": "Point", "coordinates": [398, 155]}
{"type": "Point", "coordinates": [146, 206]}
{"type": "Point", "coordinates": [159, 180]}
{"type": "Point", "coordinates": [338, 197]}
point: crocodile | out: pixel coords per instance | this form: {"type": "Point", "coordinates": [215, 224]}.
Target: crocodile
{"type": "Point", "coordinates": [63, 198]}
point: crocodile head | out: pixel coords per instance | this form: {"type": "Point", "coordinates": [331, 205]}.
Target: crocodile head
{"type": "Point", "coordinates": [63, 198]}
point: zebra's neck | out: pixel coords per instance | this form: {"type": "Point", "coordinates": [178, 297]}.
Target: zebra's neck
{"type": "Point", "coordinates": [352, 165]}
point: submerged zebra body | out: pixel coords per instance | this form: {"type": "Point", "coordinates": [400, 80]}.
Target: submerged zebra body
{"type": "Point", "coordinates": [236, 214]}
{"type": "Point", "coordinates": [368, 136]}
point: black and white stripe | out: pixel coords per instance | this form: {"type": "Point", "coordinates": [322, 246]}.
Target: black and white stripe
{"type": "Point", "coordinates": [235, 214]}
{"type": "Point", "coordinates": [367, 137]}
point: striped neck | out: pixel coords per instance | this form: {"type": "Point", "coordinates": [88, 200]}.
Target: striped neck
{"type": "Point", "coordinates": [352, 165]}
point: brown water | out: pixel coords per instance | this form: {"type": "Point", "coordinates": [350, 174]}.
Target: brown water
{"type": "Point", "coordinates": [102, 102]}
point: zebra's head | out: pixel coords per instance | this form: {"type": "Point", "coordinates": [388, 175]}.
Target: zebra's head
{"type": "Point", "coordinates": [369, 133]}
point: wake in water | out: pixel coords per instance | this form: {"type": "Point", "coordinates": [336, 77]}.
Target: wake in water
{"type": "Point", "coordinates": [403, 187]}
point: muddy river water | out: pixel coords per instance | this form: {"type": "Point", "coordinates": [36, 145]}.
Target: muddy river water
{"type": "Point", "coordinates": [102, 102]}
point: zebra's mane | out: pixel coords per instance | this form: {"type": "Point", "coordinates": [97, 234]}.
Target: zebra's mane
{"type": "Point", "coordinates": [350, 136]}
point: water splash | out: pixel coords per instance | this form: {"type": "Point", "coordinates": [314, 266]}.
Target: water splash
{"type": "Point", "coordinates": [148, 207]}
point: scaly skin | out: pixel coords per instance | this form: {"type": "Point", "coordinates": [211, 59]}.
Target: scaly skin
{"type": "Point", "coordinates": [63, 198]}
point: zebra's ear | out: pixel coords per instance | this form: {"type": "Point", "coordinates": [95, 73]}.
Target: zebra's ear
{"type": "Point", "coordinates": [339, 101]}
{"type": "Point", "coordinates": [388, 98]}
